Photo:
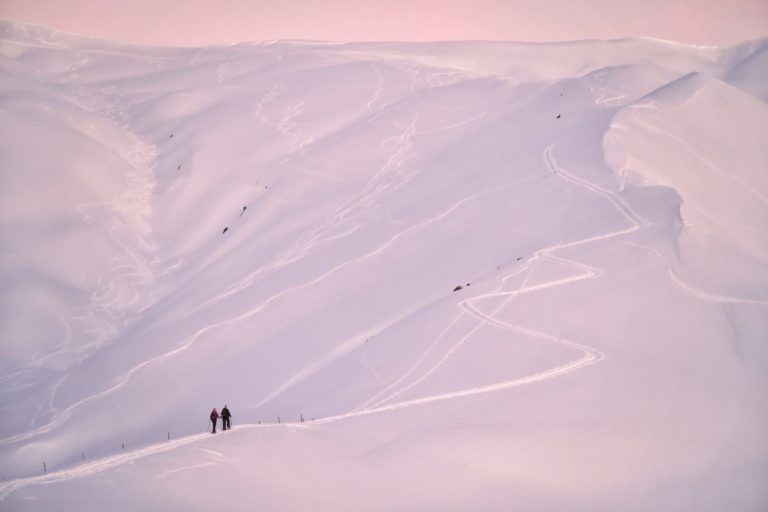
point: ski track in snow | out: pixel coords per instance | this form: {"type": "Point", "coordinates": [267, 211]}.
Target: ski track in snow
{"type": "Point", "coordinates": [605, 97]}
{"type": "Point", "coordinates": [379, 89]}
{"type": "Point", "coordinates": [185, 468]}
{"type": "Point", "coordinates": [387, 179]}
{"type": "Point", "coordinates": [468, 306]}
{"type": "Point", "coordinates": [364, 362]}
{"type": "Point", "coordinates": [698, 293]}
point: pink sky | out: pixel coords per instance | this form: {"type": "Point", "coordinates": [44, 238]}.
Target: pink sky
{"type": "Point", "coordinates": [203, 22]}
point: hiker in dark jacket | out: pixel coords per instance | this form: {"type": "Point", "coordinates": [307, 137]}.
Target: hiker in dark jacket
{"type": "Point", "coordinates": [214, 419]}
{"type": "Point", "coordinates": [225, 415]}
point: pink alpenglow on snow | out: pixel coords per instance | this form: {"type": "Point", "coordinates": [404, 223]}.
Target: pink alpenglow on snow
{"type": "Point", "coordinates": [601, 205]}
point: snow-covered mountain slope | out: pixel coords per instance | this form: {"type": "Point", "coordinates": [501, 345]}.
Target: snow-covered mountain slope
{"type": "Point", "coordinates": [488, 275]}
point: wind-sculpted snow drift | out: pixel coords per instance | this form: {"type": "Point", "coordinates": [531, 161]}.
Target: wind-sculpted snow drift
{"type": "Point", "coordinates": [281, 227]}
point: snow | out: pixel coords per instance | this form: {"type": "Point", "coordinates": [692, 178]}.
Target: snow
{"type": "Point", "coordinates": [602, 204]}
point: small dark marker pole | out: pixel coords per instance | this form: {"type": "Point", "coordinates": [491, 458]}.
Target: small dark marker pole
{"type": "Point", "coordinates": [83, 455]}
{"type": "Point", "coordinates": [302, 418]}
{"type": "Point", "coordinates": [45, 468]}
{"type": "Point", "coordinates": [169, 436]}
{"type": "Point", "coordinates": [123, 446]}
{"type": "Point", "coordinates": [278, 420]}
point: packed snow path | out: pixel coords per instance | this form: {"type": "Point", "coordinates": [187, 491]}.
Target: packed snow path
{"type": "Point", "coordinates": [96, 466]}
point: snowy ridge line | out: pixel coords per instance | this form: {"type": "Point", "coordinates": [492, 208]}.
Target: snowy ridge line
{"type": "Point", "coordinates": [620, 205]}
{"type": "Point", "coordinates": [708, 296]}
{"type": "Point", "coordinates": [696, 292]}
{"type": "Point", "coordinates": [105, 463]}
{"type": "Point", "coordinates": [748, 187]}
{"type": "Point", "coordinates": [55, 45]}
{"type": "Point", "coordinates": [96, 466]}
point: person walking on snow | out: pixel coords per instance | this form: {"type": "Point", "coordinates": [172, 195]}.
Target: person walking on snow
{"type": "Point", "coordinates": [214, 419]}
{"type": "Point", "coordinates": [225, 415]}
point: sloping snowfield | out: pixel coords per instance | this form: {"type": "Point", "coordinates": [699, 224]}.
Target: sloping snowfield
{"type": "Point", "coordinates": [488, 276]}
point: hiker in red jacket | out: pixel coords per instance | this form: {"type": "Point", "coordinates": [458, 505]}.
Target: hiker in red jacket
{"type": "Point", "coordinates": [214, 419]}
